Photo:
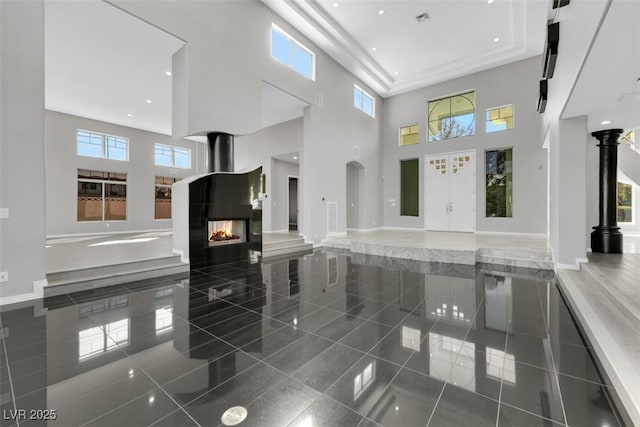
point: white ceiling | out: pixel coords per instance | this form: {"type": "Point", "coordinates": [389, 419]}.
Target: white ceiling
{"type": "Point", "coordinates": [608, 88]}
{"type": "Point", "coordinates": [103, 63]}
{"type": "Point", "coordinates": [289, 158]}
{"type": "Point", "coordinates": [456, 40]}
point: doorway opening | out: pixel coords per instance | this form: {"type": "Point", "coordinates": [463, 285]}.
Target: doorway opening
{"type": "Point", "coordinates": [293, 203]}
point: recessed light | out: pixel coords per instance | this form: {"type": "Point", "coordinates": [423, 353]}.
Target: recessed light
{"type": "Point", "coordinates": [396, 73]}
{"type": "Point", "coordinates": [148, 101]}
{"type": "Point", "coordinates": [606, 122]}
{"type": "Point", "coordinates": [129, 115]}
{"type": "Point", "coordinates": [489, 1]}
{"type": "Point", "coordinates": [497, 39]}
{"type": "Point", "coordinates": [152, 399]}
{"type": "Point", "coordinates": [295, 157]}
{"type": "Point", "coordinates": [381, 12]}
{"type": "Point", "coordinates": [335, 4]}
{"type": "Point", "coordinates": [374, 49]}
{"type": "Point", "coordinates": [168, 73]}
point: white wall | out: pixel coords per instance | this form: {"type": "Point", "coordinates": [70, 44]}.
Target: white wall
{"type": "Point", "coordinates": [227, 59]}
{"type": "Point", "coordinates": [62, 164]}
{"type": "Point", "coordinates": [22, 235]}
{"type": "Point", "coordinates": [258, 149]}
{"type": "Point", "coordinates": [515, 84]}
{"type": "Point", "coordinates": [579, 23]}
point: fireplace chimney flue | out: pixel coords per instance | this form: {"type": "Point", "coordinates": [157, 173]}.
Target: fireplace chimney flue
{"type": "Point", "coordinates": [220, 152]}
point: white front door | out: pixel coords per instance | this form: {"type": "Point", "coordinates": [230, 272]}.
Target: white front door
{"type": "Point", "coordinates": [450, 202]}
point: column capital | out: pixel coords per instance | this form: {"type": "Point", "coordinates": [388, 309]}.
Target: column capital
{"type": "Point", "coordinates": [608, 136]}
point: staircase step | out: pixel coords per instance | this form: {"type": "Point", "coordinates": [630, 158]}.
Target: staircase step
{"type": "Point", "coordinates": [293, 248]}
{"type": "Point", "coordinates": [285, 243]}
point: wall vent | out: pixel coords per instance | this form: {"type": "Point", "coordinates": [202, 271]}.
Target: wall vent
{"type": "Point", "coordinates": [319, 100]}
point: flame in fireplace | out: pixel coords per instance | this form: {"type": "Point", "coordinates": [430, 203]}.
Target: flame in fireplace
{"type": "Point", "coordinates": [223, 233]}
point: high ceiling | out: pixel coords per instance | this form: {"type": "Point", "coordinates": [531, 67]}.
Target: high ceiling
{"type": "Point", "coordinates": [105, 64]}
{"type": "Point", "coordinates": [382, 42]}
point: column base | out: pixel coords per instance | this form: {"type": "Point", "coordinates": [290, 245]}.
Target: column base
{"type": "Point", "coordinates": [606, 240]}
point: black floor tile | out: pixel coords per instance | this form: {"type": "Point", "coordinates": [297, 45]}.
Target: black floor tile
{"type": "Point", "coordinates": [365, 336]}
{"type": "Point", "coordinates": [339, 327]}
{"type": "Point", "coordinates": [317, 319]}
{"type": "Point", "coordinates": [325, 412]}
{"type": "Point", "coordinates": [280, 405]}
{"type": "Point", "coordinates": [178, 418]}
{"type": "Point", "coordinates": [408, 401]}
{"type": "Point", "coordinates": [399, 345]}
{"type": "Point", "coordinates": [513, 417]}
{"type": "Point", "coordinates": [586, 404]}
{"type": "Point", "coordinates": [461, 408]}
{"type": "Point", "coordinates": [247, 334]}
{"type": "Point", "coordinates": [327, 367]}
{"type": "Point", "coordinates": [144, 410]}
{"type": "Point", "coordinates": [238, 391]}
{"type": "Point", "coordinates": [272, 343]}
{"type": "Point", "coordinates": [535, 390]}
{"type": "Point", "coordinates": [297, 354]}
{"type": "Point", "coordinates": [575, 361]}
{"type": "Point", "coordinates": [364, 384]}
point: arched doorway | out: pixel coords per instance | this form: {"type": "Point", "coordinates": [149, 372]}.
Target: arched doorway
{"type": "Point", "coordinates": [355, 196]}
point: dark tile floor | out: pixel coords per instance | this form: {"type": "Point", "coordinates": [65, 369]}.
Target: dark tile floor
{"type": "Point", "coordinates": [327, 339]}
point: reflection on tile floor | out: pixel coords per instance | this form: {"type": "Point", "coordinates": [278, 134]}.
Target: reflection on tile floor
{"type": "Point", "coordinates": [328, 339]}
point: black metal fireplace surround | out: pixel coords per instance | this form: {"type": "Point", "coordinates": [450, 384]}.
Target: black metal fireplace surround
{"type": "Point", "coordinates": [223, 197]}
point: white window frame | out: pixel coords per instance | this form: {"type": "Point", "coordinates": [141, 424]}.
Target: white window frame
{"type": "Point", "coordinates": [173, 155]}
{"type": "Point", "coordinates": [365, 94]}
{"type": "Point", "coordinates": [513, 118]}
{"type": "Point", "coordinates": [105, 150]}
{"type": "Point", "coordinates": [293, 42]}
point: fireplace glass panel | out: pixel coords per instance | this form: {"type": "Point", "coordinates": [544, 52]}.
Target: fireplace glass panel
{"type": "Point", "coordinates": [227, 232]}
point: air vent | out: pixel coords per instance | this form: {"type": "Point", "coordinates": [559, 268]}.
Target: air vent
{"type": "Point", "coordinates": [422, 17]}
{"type": "Point", "coordinates": [319, 101]}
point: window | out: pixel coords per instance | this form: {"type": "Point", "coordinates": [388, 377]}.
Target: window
{"type": "Point", "coordinates": [499, 183]}
{"type": "Point", "coordinates": [625, 202]}
{"type": "Point", "coordinates": [102, 196]}
{"type": "Point", "coordinates": [499, 119]}
{"type": "Point", "coordinates": [91, 144]}
{"type": "Point", "coordinates": [452, 117]}
{"type": "Point", "coordinates": [292, 53]}
{"type": "Point", "coordinates": [177, 157]}
{"type": "Point", "coordinates": [409, 135]}
{"type": "Point", "coordinates": [163, 197]}
{"type": "Point", "coordinates": [409, 187]}
{"type": "Point", "coordinates": [363, 101]}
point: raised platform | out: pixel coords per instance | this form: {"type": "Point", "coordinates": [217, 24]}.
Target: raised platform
{"type": "Point", "coordinates": [278, 244]}
{"type": "Point", "coordinates": [454, 248]}
{"type": "Point", "coordinates": [605, 297]}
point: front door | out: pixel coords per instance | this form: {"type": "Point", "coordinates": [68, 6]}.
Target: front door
{"type": "Point", "coordinates": [450, 199]}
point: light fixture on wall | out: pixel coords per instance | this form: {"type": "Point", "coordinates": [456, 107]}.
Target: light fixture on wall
{"type": "Point", "coordinates": [560, 3]}
{"type": "Point", "coordinates": [605, 122]}
{"type": "Point", "coordinates": [542, 96]}
{"type": "Point", "coordinates": [551, 50]}
{"type": "Point", "coordinates": [422, 17]}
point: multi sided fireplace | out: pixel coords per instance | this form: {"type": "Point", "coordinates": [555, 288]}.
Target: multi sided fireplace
{"type": "Point", "coordinates": [227, 232]}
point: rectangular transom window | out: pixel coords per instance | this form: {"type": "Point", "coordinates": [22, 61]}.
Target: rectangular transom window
{"type": "Point", "coordinates": [292, 53]}
{"type": "Point", "coordinates": [409, 135]}
{"type": "Point", "coordinates": [167, 155]}
{"type": "Point", "coordinates": [363, 101]}
{"type": "Point", "coordinates": [625, 202]}
{"type": "Point", "coordinates": [499, 119]}
{"type": "Point", "coordinates": [163, 197]}
{"type": "Point", "coordinates": [452, 117]}
{"type": "Point", "coordinates": [102, 196]}
{"type": "Point", "coordinates": [93, 144]}
{"type": "Point", "coordinates": [499, 183]}
{"type": "Point", "coordinates": [409, 187]}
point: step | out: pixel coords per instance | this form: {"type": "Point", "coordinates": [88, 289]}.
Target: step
{"type": "Point", "coordinates": [90, 278]}
{"type": "Point", "coordinates": [293, 248]}
{"type": "Point", "coordinates": [285, 243]}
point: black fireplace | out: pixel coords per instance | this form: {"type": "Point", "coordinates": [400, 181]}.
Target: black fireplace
{"type": "Point", "coordinates": [225, 213]}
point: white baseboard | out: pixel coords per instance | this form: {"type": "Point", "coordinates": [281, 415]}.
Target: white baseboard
{"type": "Point", "coordinates": [105, 232]}
{"type": "Point", "coordinates": [402, 229]}
{"type": "Point", "coordinates": [181, 253]}
{"type": "Point", "coordinates": [364, 230]}
{"type": "Point", "coordinates": [582, 260]}
{"type": "Point", "coordinates": [574, 267]}
{"type": "Point", "coordinates": [509, 233]}
{"type": "Point", "coordinates": [38, 293]}
{"type": "Point", "coordinates": [276, 231]}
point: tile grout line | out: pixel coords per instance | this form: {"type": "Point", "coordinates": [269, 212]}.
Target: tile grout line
{"type": "Point", "coordinates": [506, 345]}
{"type": "Point", "coordinates": [13, 394]}
{"type": "Point", "coordinates": [555, 369]}
{"type": "Point", "coordinates": [433, 411]}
